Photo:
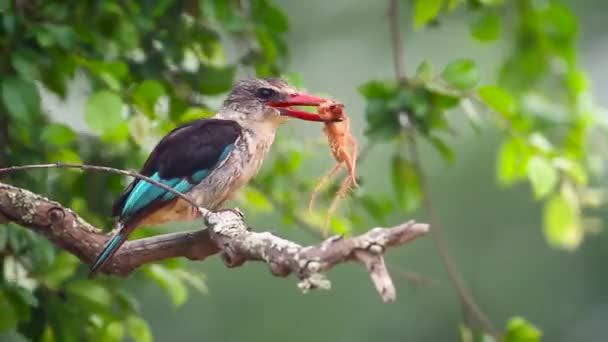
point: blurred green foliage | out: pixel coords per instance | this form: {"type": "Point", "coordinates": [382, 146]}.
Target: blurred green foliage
{"type": "Point", "coordinates": [151, 65]}
{"type": "Point", "coordinates": [155, 64]}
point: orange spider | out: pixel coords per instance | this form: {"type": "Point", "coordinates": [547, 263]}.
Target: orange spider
{"type": "Point", "coordinates": [344, 149]}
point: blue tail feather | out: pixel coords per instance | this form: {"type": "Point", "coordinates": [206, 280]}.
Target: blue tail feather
{"type": "Point", "coordinates": [108, 251]}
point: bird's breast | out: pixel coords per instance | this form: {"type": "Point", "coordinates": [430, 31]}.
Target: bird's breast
{"type": "Point", "coordinates": [243, 163]}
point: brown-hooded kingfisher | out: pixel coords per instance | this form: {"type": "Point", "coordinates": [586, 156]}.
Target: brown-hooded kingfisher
{"type": "Point", "coordinates": [207, 159]}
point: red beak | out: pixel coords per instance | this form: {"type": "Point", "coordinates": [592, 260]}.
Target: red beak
{"type": "Point", "coordinates": [299, 99]}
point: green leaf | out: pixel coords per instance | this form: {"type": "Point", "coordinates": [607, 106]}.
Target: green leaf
{"type": "Point", "coordinates": [572, 169]}
{"type": "Point", "coordinates": [169, 282]}
{"type": "Point", "coordinates": [499, 100]}
{"type": "Point", "coordinates": [90, 293]}
{"type": "Point", "coordinates": [215, 80]}
{"type": "Point", "coordinates": [22, 300]}
{"type": "Point", "coordinates": [194, 113]}
{"type": "Point", "coordinates": [562, 222]}
{"type": "Point", "coordinates": [53, 34]}
{"type": "Point", "coordinates": [24, 61]}
{"type": "Point", "coordinates": [443, 149]}
{"type": "Point", "coordinates": [520, 330]}
{"type": "Point", "coordinates": [58, 134]}
{"type": "Point", "coordinates": [113, 332]}
{"type": "Point", "coordinates": [382, 122]}
{"type": "Point", "coordinates": [138, 329]}
{"type": "Point", "coordinates": [424, 72]}
{"type": "Point", "coordinates": [146, 94]}
{"type": "Point", "coordinates": [103, 111]}
{"type": "Point", "coordinates": [269, 15]}
{"type": "Point", "coordinates": [542, 175]}
{"type": "Point", "coordinates": [140, 127]}
{"type": "Point", "coordinates": [8, 316]}
{"type": "Point", "coordinates": [64, 155]}
{"type": "Point", "coordinates": [453, 4]}
{"type": "Point", "coordinates": [192, 278]}
{"type": "Point", "coordinates": [425, 11]}
{"type": "Point", "coordinates": [461, 74]}
{"type": "Point", "coordinates": [5, 5]}
{"type": "Point", "coordinates": [512, 162]}
{"type": "Point", "coordinates": [21, 99]}
{"type": "Point", "coordinates": [378, 89]}
{"type": "Point", "coordinates": [66, 321]}
{"type": "Point", "coordinates": [487, 28]}
{"type": "Point", "coordinates": [63, 267]}
{"type": "Point", "coordinates": [406, 184]}
{"type": "Point", "coordinates": [257, 199]}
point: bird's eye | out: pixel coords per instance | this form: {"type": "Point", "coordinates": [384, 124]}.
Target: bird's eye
{"type": "Point", "coordinates": [265, 93]}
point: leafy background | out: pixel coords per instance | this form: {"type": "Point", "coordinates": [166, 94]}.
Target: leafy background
{"type": "Point", "coordinates": [495, 124]}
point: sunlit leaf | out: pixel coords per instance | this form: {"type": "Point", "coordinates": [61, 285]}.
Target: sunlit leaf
{"type": "Point", "coordinates": [425, 11]}
{"type": "Point", "coordinates": [453, 4]}
{"type": "Point", "coordinates": [103, 111]}
{"type": "Point", "coordinates": [64, 155]}
{"type": "Point", "coordinates": [562, 222]}
{"type": "Point", "coordinates": [542, 175]}
{"type": "Point", "coordinates": [138, 329]}
{"type": "Point", "coordinates": [512, 164]}
{"type": "Point", "coordinates": [520, 330]}
{"type": "Point", "coordinates": [491, 2]}
{"type": "Point", "coordinates": [572, 168]}
{"type": "Point", "coordinates": [113, 332]}
{"type": "Point", "coordinates": [499, 100]}
{"type": "Point", "coordinates": [461, 74]}
{"type": "Point", "coordinates": [340, 225]}
{"type": "Point", "coordinates": [140, 127]}
{"type": "Point", "coordinates": [257, 199]}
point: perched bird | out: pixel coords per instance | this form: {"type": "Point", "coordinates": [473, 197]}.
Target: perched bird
{"type": "Point", "coordinates": [207, 159]}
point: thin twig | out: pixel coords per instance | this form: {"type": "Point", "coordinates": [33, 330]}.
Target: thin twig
{"type": "Point", "coordinates": [438, 238]}
{"type": "Point", "coordinates": [464, 294]}
{"type": "Point", "coordinates": [133, 174]}
{"type": "Point", "coordinates": [397, 40]}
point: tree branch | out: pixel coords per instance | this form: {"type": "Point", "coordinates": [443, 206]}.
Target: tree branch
{"type": "Point", "coordinates": [227, 234]}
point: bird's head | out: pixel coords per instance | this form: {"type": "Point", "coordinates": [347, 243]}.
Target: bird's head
{"type": "Point", "coordinates": [268, 100]}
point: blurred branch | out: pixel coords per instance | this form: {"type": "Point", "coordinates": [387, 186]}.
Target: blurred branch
{"type": "Point", "coordinates": [397, 40]}
{"type": "Point", "coordinates": [466, 298]}
{"type": "Point", "coordinates": [227, 234]}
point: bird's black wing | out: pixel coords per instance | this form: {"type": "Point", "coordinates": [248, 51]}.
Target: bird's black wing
{"type": "Point", "coordinates": [182, 159]}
